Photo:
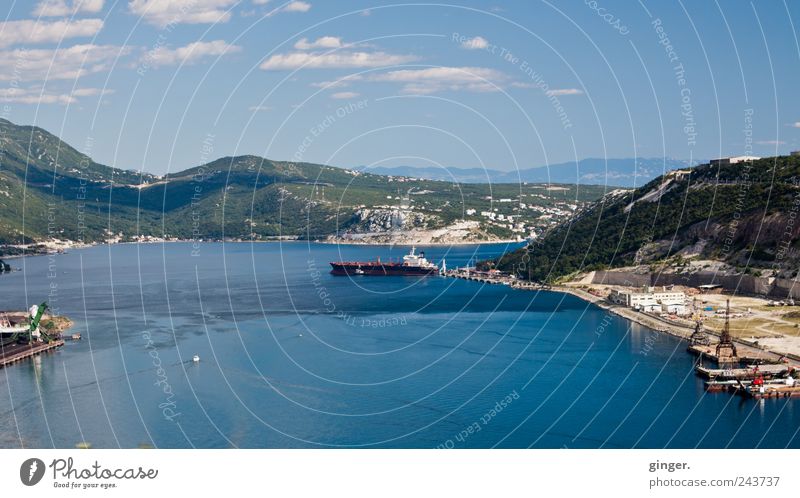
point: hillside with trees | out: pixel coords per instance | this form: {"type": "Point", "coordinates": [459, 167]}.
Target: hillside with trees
{"type": "Point", "coordinates": [743, 214]}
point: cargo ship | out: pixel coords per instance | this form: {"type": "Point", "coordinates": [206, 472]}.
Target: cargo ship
{"type": "Point", "coordinates": [412, 265]}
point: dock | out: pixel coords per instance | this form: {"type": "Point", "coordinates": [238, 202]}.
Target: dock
{"type": "Point", "coordinates": [765, 371]}
{"type": "Point", "coordinates": [716, 386]}
{"type": "Point", "coordinates": [772, 392]}
{"type": "Point", "coordinates": [746, 355]}
{"type": "Point", "coordinates": [18, 352]}
{"type": "Point", "coordinates": [735, 372]}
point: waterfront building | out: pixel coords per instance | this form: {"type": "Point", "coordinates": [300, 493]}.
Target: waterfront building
{"type": "Point", "coordinates": [666, 301]}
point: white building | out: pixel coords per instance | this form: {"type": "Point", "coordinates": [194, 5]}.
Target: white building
{"type": "Point", "coordinates": [732, 160]}
{"type": "Point", "coordinates": [650, 301]}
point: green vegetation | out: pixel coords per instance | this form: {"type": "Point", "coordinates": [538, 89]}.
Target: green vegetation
{"type": "Point", "coordinates": [49, 190]}
{"type": "Point", "coordinates": [743, 214]}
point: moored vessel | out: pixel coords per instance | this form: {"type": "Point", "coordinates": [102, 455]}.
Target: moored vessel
{"type": "Point", "coordinates": [413, 264]}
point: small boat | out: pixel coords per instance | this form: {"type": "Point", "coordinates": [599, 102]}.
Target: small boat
{"type": "Point", "coordinates": [359, 271]}
{"type": "Point", "coordinates": [196, 358]}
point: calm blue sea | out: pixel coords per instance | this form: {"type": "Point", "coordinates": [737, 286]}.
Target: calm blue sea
{"type": "Point", "coordinates": [294, 357]}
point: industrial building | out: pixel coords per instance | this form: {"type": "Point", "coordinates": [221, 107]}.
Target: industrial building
{"type": "Point", "coordinates": [648, 300]}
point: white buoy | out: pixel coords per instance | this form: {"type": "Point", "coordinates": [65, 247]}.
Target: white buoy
{"type": "Point", "coordinates": [196, 358]}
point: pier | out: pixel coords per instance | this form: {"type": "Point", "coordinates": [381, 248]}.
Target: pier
{"type": "Point", "coordinates": [493, 277]}
{"type": "Point", "coordinates": [749, 355]}
{"type": "Point", "coordinates": [764, 371]}
{"type": "Point", "coordinates": [772, 392]}
{"type": "Point", "coordinates": [762, 364]}
{"type": "Point", "coordinates": [17, 352]}
{"type": "Point", "coordinates": [23, 338]}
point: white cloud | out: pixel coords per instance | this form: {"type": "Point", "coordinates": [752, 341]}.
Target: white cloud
{"type": "Point", "coordinates": [38, 96]}
{"type": "Point", "coordinates": [26, 31]}
{"type": "Point", "coordinates": [62, 8]}
{"type": "Point", "coordinates": [796, 124]}
{"type": "Point", "coordinates": [560, 92]}
{"type": "Point", "coordinates": [345, 95]}
{"type": "Point", "coordinates": [54, 64]}
{"type": "Point", "coordinates": [188, 54]}
{"type": "Point", "coordinates": [477, 43]}
{"type": "Point", "coordinates": [260, 2]}
{"type": "Point", "coordinates": [259, 108]}
{"type": "Point", "coordinates": [366, 13]}
{"type": "Point", "coordinates": [297, 7]}
{"type": "Point", "coordinates": [90, 92]}
{"type": "Point", "coordinates": [771, 142]}
{"type": "Point", "coordinates": [165, 12]}
{"type": "Point", "coordinates": [341, 82]}
{"type": "Point", "coordinates": [436, 79]}
{"type": "Point", "coordinates": [296, 60]}
{"type": "Point", "coordinates": [322, 42]}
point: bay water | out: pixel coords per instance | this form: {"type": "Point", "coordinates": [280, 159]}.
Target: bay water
{"type": "Point", "coordinates": [291, 356]}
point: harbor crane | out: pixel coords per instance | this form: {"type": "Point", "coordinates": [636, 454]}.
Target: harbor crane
{"type": "Point", "coordinates": [726, 349]}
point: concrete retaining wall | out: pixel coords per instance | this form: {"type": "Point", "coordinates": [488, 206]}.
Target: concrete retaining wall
{"type": "Point", "coordinates": [629, 279]}
{"type": "Point", "coordinates": [783, 287]}
{"type": "Point", "coordinates": [744, 284]}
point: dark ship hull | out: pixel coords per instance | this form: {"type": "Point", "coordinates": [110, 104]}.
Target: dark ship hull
{"type": "Point", "coordinates": [376, 268]}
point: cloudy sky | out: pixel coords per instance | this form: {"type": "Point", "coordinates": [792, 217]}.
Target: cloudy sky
{"type": "Point", "coordinates": [164, 85]}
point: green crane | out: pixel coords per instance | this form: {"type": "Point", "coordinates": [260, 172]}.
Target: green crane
{"type": "Point", "coordinates": [35, 324]}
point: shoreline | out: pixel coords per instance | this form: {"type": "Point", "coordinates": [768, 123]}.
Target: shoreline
{"type": "Point", "coordinates": [674, 329]}
{"type": "Point", "coordinates": [65, 249]}
{"type": "Point", "coordinates": [409, 244]}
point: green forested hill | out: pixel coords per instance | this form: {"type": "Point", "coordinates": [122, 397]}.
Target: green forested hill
{"type": "Point", "coordinates": [49, 190]}
{"type": "Point", "coordinates": [744, 214]}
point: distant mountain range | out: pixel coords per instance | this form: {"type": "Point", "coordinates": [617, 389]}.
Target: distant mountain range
{"type": "Point", "coordinates": [595, 171]}
{"type": "Point", "coordinates": [49, 191]}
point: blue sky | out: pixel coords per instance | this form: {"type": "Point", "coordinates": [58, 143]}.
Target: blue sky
{"type": "Point", "coordinates": [165, 85]}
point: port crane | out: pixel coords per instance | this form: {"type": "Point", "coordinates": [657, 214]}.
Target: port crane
{"type": "Point", "coordinates": [726, 349]}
